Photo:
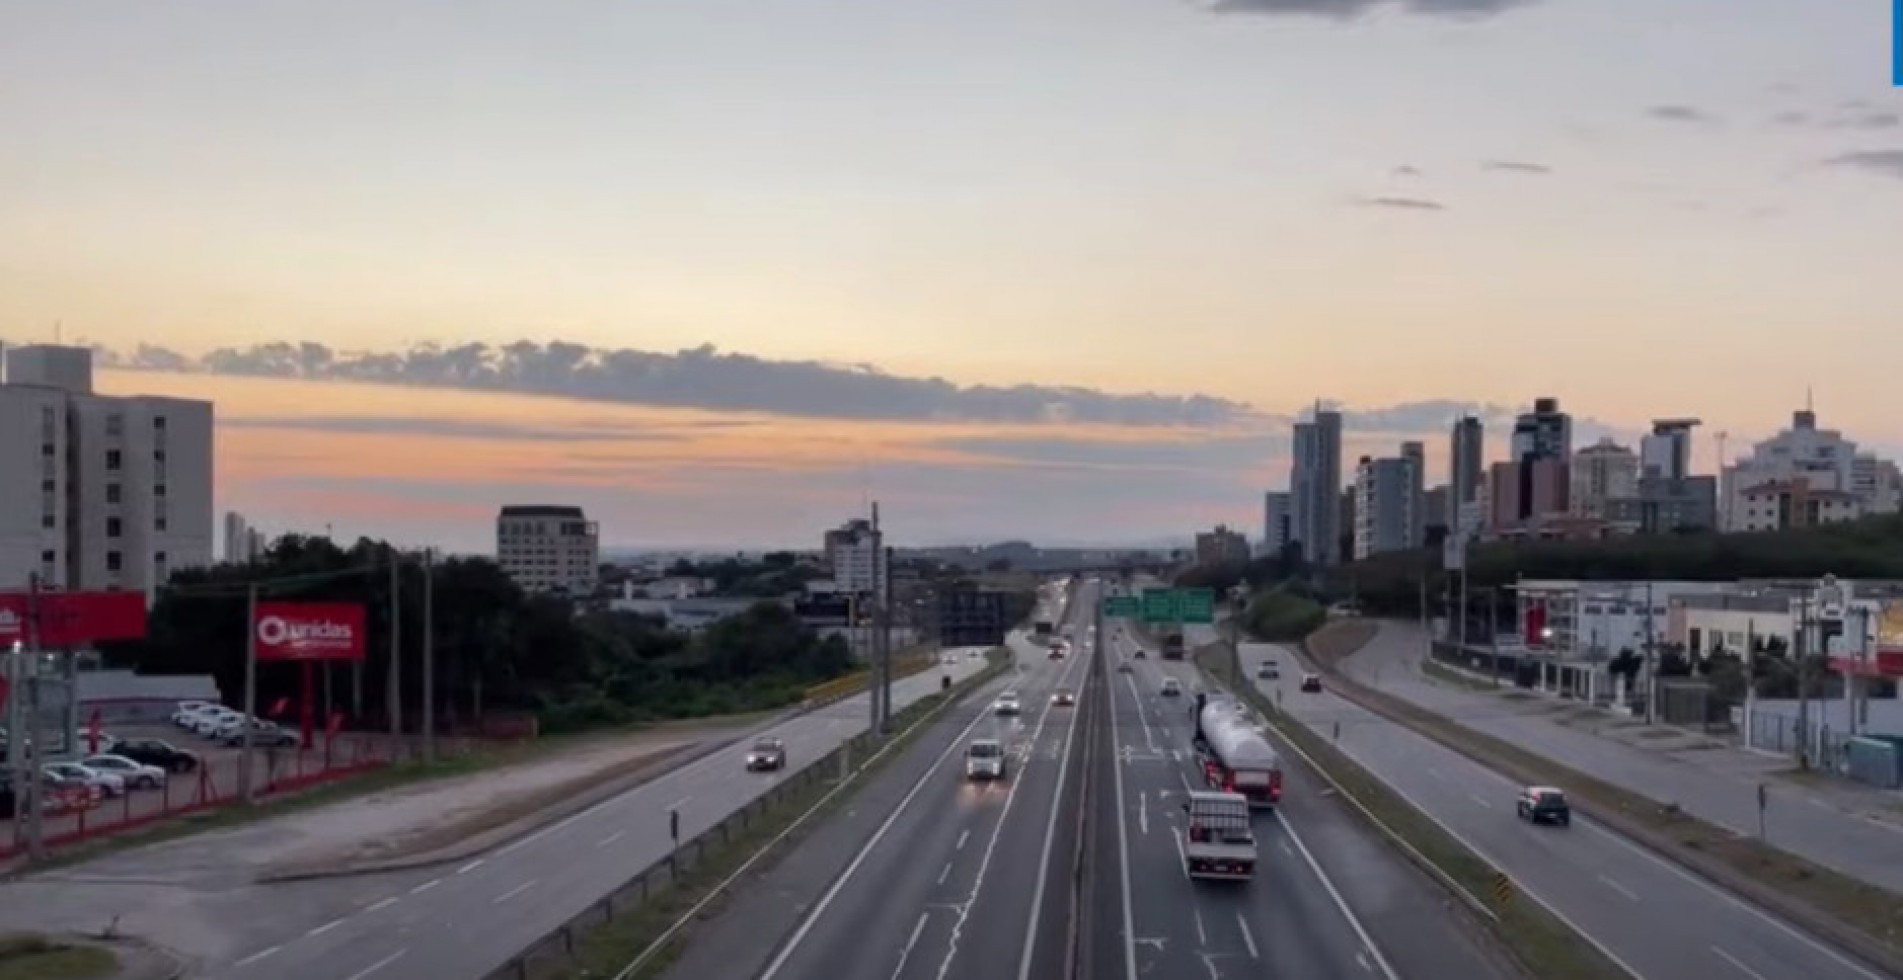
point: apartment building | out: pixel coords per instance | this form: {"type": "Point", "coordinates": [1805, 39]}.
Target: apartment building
{"type": "Point", "coordinates": [1386, 505]}
{"type": "Point", "coordinates": [1278, 525]}
{"type": "Point", "coordinates": [549, 548]}
{"type": "Point", "coordinates": [855, 551]}
{"type": "Point", "coordinates": [1602, 475]}
{"type": "Point", "coordinates": [113, 493]}
{"type": "Point", "coordinates": [1221, 547]}
{"type": "Point", "coordinates": [1315, 487]}
{"type": "Point", "coordinates": [243, 543]}
{"type": "Point", "coordinates": [1466, 468]}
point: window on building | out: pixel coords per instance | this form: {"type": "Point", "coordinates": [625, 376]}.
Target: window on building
{"type": "Point", "coordinates": [112, 493]}
{"type": "Point", "coordinates": [158, 564]}
{"type": "Point", "coordinates": [114, 527]}
{"type": "Point", "coordinates": [49, 519]}
{"type": "Point", "coordinates": [48, 557]}
{"type": "Point", "coordinates": [112, 460]}
{"type": "Point", "coordinates": [47, 449]}
{"type": "Point", "coordinates": [48, 486]}
{"type": "Point", "coordinates": [114, 561]}
{"type": "Point", "coordinates": [158, 422]}
{"type": "Point", "coordinates": [158, 490]}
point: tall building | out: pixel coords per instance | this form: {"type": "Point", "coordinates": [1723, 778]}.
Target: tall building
{"type": "Point", "coordinates": [1877, 482]}
{"type": "Point", "coordinates": [1436, 505]}
{"type": "Point", "coordinates": [1523, 493]}
{"type": "Point", "coordinates": [1315, 487]}
{"type": "Point", "coordinates": [1277, 523]}
{"type": "Point", "coordinates": [1543, 433]}
{"type": "Point", "coordinates": [1602, 473]}
{"type": "Point", "coordinates": [1385, 505]}
{"type": "Point", "coordinates": [549, 548]}
{"type": "Point", "coordinates": [1821, 458]}
{"type": "Point", "coordinates": [856, 553]}
{"type": "Point", "coordinates": [103, 492]}
{"type": "Point", "coordinates": [1416, 455]}
{"type": "Point", "coordinates": [1221, 547]}
{"type": "Point", "coordinates": [243, 543]}
{"type": "Point", "coordinates": [1667, 452]}
{"type": "Point", "coordinates": [1466, 471]}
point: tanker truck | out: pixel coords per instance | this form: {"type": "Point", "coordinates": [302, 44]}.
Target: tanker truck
{"type": "Point", "coordinates": [1234, 755]}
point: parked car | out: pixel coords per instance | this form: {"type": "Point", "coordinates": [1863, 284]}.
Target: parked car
{"type": "Point", "coordinates": [1544, 804]}
{"type": "Point", "coordinates": [109, 784]}
{"type": "Point", "coordinates": [206, 724]}
{"type": "Point", "coordinates": [157, 752]}
{"type": "Point", "coordinates": [264, 734]}
{"type": "Point", "coordinates": [137, 775]}
{"type": "Point", "coordinates": [187, 712]}
{"type": "Point", "coordinates": [767, 754]}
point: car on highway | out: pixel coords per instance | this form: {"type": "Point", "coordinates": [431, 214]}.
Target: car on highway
{"type": "Point", "coordinates": [1140, 655]}
{"type": "Point", "coordinates": [1311, 683]}
{"type": "Point", "coordinates": [156, 752]}
{"type": "Point", "coordinates": [137, 775]}
{"type": "Point", "coordinates": [984, 759]}
{"type": "Point", "coordinates": [768, 753]}
{"type": "Point", "coordinates": [1125, 668]}
{"type": "Point", "coordinates": [1063, 698]}
{"type": "Point", "coordinates": [1057, 651]}
{"type": "Point", "coordinates": [1268, 671]}
{"type": "Point", "coordinates": [1007, 704]}
{"type": "Point", "coordinates": [1544, 804]}
{"type": "Point", "coordinates": [1171, 687]}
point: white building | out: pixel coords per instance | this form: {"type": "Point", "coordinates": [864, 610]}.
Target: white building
{"type": "Point", "coordinates": [1602, 473]}
{"type": "Point", "coordinates": [856, 554]}
{"type": "Point", "coordinates": [1386, 507]}
{"type": "Point", "coordinates": [1278, 527]}
{"type": "Point", "coordinates": [1877, 482]}
{"type": "Point", "coordinates": [547, 548]}
{"type": "Point", "coordinates": [1784, 505]}
{"type": "Point", "coordinates": [1803, 453]}
{"type": "Point", "coordinates": [243, 543]}
{"type": "Point", "coordinates": [104, 492]}
{"type": "Point", "coordinates": [1667, 452]}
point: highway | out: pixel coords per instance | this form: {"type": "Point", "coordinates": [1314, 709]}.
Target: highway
{"type": "Point", "coordinates": [459, 922]}
{"type": "Point", "coordinates": [1657, 921]}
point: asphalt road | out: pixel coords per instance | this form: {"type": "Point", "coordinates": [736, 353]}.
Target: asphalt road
{"type": "Point", "coordinates": [1656, 920]}
{"type": "Point", "coordinates": [1861, 848]}
{"type": "Point", "coordinates": [1328, 900]}
{"type": "Point", "coordinates": [956, 880]}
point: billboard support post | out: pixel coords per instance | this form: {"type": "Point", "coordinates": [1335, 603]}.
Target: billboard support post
{"type": "Point", "coordinates": [245, 789]}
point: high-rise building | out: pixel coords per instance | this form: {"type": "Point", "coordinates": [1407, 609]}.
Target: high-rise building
{"type": "Point", "coordinates": [1436, 505]}
{"type": "Point", "coordinates": [103, 492]}
{"type": "Point", "coordinates": [1877, 482]}
{"type": "Point", "coordinates": [243, 543]}
{"type": "Point", "coordinates": [1821, 458]}
{"type": "Point", "coordinates": [1315, 487]}
{"type": "Point", "coordinates": [856, 553]}
{"type": "Point", "coordinates": [1221, 547]}
{"type": "Point", "coordinates": [1544, 433]}
{"type": "Point", "coordinates": [1667, 452]}
{"type": "Point", "coordinates": [1277, 523]}
{"type": "Point", "coordinates": [1602, 473]}
{"type": "Point", "coordinates": [1466, 472]}
{"type": "Point", "coordinates": [1416, 455]}
{"type": "Point", "coordinates": [1384, 505]}
{"type": "Point", "coordinates": [1520, 493]}
{"type": "Point", "coordinates": [549, 548]}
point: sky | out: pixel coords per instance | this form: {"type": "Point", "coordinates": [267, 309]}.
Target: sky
{"type": "Point", "coordinates": [1057, 269]}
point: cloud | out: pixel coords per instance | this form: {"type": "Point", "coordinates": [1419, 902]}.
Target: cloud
{"type": "Point", "coordinates": [448, 428]}
{"type": "Point", "coordinates": [1405, 171]}
{"type": "Point", "coordinates": [1681, 113]}
{"type": "Point", "coordinates": [1351, 9]}
{"type": "Point", "coordinates": [1792, 117]}
{"type": "Point", "coordinates": [1854, 118]}
{"type": "Point", "coordinates": [701, 377]}
{"type": "Point", "coordinates": [1516, 167]}
{"type": "Point", "coordinates": [1402, 203]}
{"type": "Point", "coordinates": [1888, 163]}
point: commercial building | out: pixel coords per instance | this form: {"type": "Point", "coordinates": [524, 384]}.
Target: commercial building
{"type": "Point", "coordinates": [1278, 522]}
{"type": "Point", "coordinates": [1671, 504]}
{"type": "Point", "coordinates": [1466, 467]}
{"type": "Point", "coordinates": [1221, 547]}
{"type": "Point", "coordinates": [1315, 487]}
{"type": "Point", "coordinates": [1667, 452]}
{"type": "Point", "coordinates": [1543, 433]}
{"type": "Point", "coordinates": [1437, 508]}
{"type": "Point", "coordinates": [243, 543]}
{"type": "Point", "coordinates": [1385, 505]}
{"type": "Point", "coordinates": [855, 552]}
{"type": "Point", "coordinates": [1878, 482]}
{"type": "Point", "coordinates": [1820, 458]}
{"type": "Point", "coordinates": [549, 548]}
{"type": "Point", "coordinates": [103, 492]}
{"type": "Point", "coordinates": [1526, 492]}
{"type": "Point", "coordinates": [1602, 474]}
{"type": "Point", "coordinates": [1781, 505]}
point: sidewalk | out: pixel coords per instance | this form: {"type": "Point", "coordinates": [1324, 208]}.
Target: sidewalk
{"type": "Point", "coordinates": [1853, 829]}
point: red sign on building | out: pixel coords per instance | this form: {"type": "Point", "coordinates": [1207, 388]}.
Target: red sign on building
{"type": "Point", "coordinates": [70, 619]}
{"type": "Point", "coordinates": [310, 631]}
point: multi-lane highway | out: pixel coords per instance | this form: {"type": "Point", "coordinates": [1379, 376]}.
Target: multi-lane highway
{"type": "Point", "coordinates": [1655, 919]}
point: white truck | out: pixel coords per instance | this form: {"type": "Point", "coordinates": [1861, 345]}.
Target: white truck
{"type": "Point", "coordinates": [1220, 842]}
{"type": "Point", "coordinates": [1235, 757]}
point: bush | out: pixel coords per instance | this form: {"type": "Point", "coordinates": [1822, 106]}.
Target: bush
{"type": "Point", "coordinates": [1283, 617]}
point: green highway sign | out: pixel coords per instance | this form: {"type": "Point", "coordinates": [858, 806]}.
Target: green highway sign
{"type": "Point", "coordinates": [1179, 606]}
{"type": "Point", "coordinates": [1121, 605]}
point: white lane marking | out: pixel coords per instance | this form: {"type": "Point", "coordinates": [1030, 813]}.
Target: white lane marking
{"type": "Point", "coordinates": [680, 803]}
{"type": "Point", "coordinates": [1248, 938]}
{"type": "Point", "coordinates": [1149, 737]}
{"type": "Point", "coordinates": [1362, 958]}
{"type": "Point", "coordinates": [946, 873]}
{"type": "Point", "coordinates": [1143, 812]}
{"type": "Point", "coordinates": [1340, 903]}
{"type": "Point", "coordinates": [611, 838]}
{"type": "Point", "coordinates": [1615, 886]}
{"type": "Point", "coordinates": [426, 886]}
{"type": "Point", "coordinates": [1050, 836]}
{"type": "Point", "coordinates": [471, 866]}
{"type": "Point", "coordinates": [1182, 858]}
{"type": "Point", "coordinates": [326, 927]}
{"type": "Point", "coordinates": [1202, 934]}
{"type": "Point", "coordinates": [380, 906]}
{"type": "Point", "coordinates": [513, 892]}
{"type": "Point", "coordinates": [911, 941]}
{"type": "Point", "coordinates": [865, 850]}
{"type": "Point", "coordinates": [255, 957]}
{"type": "Point", "coordinates": [1477, 798]}
{"type": "Point", "coordinates": [963, 836]}
{"type": "Point", "coordinates": [1123, 866]}
{"type": "Point", "coordinates": [378, 965]}
{"type": "Point", "coordinates": [1290, 851]}
{"type": "Point", "coordinates": [1728, 958]}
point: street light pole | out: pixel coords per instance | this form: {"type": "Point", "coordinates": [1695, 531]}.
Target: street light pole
{"type": "Point", "coordinates": [246, 791]}
{"type": "Point", "coordinates": [395, 692]}
{"type": "Point", "coordinates": [429, 656]}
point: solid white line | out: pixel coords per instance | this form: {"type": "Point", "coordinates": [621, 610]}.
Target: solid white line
{"type": "Point", "coordinates": [1615, 886]}
{"type": "Point", "coordinates": [471, 866]}
{"type": "Point", "coordinates": [910, 942]}
{"type": "Point", "coordinates": [1123, 866]}
{"type": "Point", "coordinates": [380, 906]}
{"type": "Point", "coordinates": [426, 886]}
{"type": "Point", "coordinates": [677, 804]}
{"type": "Point", "coordinates": [378, 965]}
{"type": "Point", "coordinates": [513, 892]}
{"type": "Point", "coordinates": [1248, 938]}
{"type": "Point", "coordinates": [1340, 903]}
{"type": "Point", "coordinates": [1182, 858]}
{"type": "Point", "coordinates": [260, 954]}
{"type": "Point", "coordinates": [963, 836]}
{"type": "Point", "coordinates": [611, 838]}
{"type": "Point", "coordinates": [1478, 799]}
{"type": "Point", "coordinates": [825, 900]}
{"type": "Point", "coordinates": [326, 927]}
{"type": "Point", "coordinates": [946, 873]}
{"type": "Point", "coordinates": [1728, 958]}
{"type": "Point", "coordinates": [1143, 812]}
{"type": "Point", "coordinates": [1050, 835]}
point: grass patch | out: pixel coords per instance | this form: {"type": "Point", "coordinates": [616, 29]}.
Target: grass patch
{"type": "Point", "coordinates": [1850, 912]}
{"type": "Point", "coordinates": [1442, 672]}
{"type": "Point", "coordinates": [29, 956]}
{"type": "Point", "coordinates": [1540, 943]}
{"type": "Point", "coordinates": [609, 948]}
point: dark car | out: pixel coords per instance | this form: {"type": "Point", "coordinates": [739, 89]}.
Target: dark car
{"type": "Point", "coordinates": [1140, 654]}
{"type": "Point", "coordinates": [1544, 804]}
{"type": "Point", "coordinates": [156, 752]}
{"type": "Point", "coordinates": [766, 754]}
{"type": "Point", "coordinates": [1311, 683]}
{"type": "Point", "coordinates": [1124, 667]}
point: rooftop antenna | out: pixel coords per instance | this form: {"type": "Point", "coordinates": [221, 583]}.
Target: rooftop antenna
{"type": "Point", "coordinates": [1810, 404]}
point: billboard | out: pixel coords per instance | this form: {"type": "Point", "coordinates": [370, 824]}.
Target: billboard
{"type": "Point", "coordinates": [310, 631]}
{"type": "Point", "coordinates": [971, 618]}
{"type": "Point", "coordinates": [824, 610]}
{"type": "Point", "coordinates": [71, 619]}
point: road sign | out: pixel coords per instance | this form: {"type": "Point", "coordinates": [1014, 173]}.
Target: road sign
{"type": "Point", "coordinates": [1196, 605]}
{"type": "Point", "coordinates": [1502, 889]}
{"type": "Point", "coordinates": [1160, 606]}
{"type": "Point", "coordinates": [1122, 605]}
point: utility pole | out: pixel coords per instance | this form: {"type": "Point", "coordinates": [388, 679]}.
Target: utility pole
{"type": "Point", "coordinates": [246, 791]}
{"type": "Point", "coordinates": [1651, 658]}
{"type": "Point", "coordinates": [885, 634]}
{"type": "Point", "coordinates": [395, 685]}
{"type": "Point", "coordinates": [17, 748]}
{"type": "Point", "coordinates": [1803, 682]}
{"type": "Point", "coordinates": [32, 792]}
{"type": "Point", "coordinates": [429, 656]}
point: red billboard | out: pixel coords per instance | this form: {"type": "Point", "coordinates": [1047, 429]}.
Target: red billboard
{"type": "Point", "coordinates": [310, 631]}
{"type": "Point", "coordinates": [71, 619]}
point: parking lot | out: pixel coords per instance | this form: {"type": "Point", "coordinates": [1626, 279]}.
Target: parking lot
{"type": "Point", "coordinates": [212, 782]}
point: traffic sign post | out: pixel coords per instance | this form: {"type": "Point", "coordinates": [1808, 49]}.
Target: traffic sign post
{"type": "Point", "coordinates": [1179, 606]}
{"type": "Point", "coordinates": [1127, 606]}
{"type": "Point", "coordinates": [1159, 606]}
{"type": "Point", "coordinates": [1502, 889]}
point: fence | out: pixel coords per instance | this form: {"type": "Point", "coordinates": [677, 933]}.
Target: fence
{"type": "Point", "coordinates": [72, 817]}
{"type": "Point", "coordinates": [1784, 734]}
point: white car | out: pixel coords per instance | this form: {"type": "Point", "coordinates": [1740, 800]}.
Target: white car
{"type": "Point", "coordinates": [188, 712]}
{"type": "Point", "coordinates": [984, 759]}
{"type": "Point", "coordinates": [134, 774]}
{"type": "Point", "coordinates": [209, 723]}
{"type": "Point", "coordinates": [1007, 704]}
{"type": "Point", "coordinates": [108, 783]}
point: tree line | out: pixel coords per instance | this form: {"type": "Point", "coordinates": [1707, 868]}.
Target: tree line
{"type": "Point", "coordinates": [495, 646]}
